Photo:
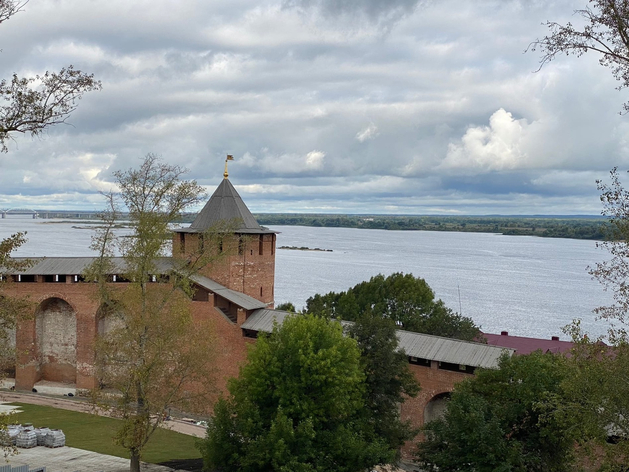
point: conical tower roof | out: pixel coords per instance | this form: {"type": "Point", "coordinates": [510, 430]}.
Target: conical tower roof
{"type": "Point", "coordinates": [226, 205]}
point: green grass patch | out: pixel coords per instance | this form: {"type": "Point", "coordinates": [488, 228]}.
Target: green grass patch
{"type": "Point", "coordinates": [95, 433]}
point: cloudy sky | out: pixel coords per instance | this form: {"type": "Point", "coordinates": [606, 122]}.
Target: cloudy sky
{"type": "Point", "coordinates": [336, 106]}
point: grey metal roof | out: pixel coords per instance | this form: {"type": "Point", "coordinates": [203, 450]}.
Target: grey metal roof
{"type": "Point", "coordinates": [223, 206]}
{"type": "Point", "coordinates": [76, 265]}
{"type": "Point", "coordinates": [262, 320]}
{"type": "Point", "coordinates": [56, 265]}
{"type": "Point", "coordinates": [424, 346]}
{"type": "Point", "coordinates": [454, 351]}
{"type": "Point", "coordinates": [240, 299]}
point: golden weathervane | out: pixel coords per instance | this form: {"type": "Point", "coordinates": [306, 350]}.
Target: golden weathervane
{"type": "Point", "coordinates": [229, 158]}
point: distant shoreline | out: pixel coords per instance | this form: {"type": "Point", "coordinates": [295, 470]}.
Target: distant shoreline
{"type": "Point", "coordinates": [588, 227]}
{"type": "Point", "coordinates": [572, 227]}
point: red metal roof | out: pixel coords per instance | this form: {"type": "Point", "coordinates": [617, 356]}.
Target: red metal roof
{"type": "Point", "coordinates": [524, 345]}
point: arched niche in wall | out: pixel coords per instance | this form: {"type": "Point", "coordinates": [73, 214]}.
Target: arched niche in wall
{"type": "Point", "coordinates": [108, 320]}
{"type": "Point", "coordinates": [436, 407]}
{"type": "Point", "coordinates": [55, 326]}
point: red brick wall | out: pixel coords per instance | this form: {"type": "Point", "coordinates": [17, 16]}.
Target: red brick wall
{"type": "Point", "coordinates": [82, 299]}
{"type": "Point", "coordinates": [247, 264]}
{"type": "Point", "coordinates": [231, 345]}
{"type": "Point", "coordinates": [433, 381]}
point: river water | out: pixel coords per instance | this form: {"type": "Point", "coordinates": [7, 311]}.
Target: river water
{"type": "Point", "coordinates": [525, 285]}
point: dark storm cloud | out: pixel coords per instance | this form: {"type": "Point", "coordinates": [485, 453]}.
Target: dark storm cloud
{"type": "Point", "coordinates": [383, 12]}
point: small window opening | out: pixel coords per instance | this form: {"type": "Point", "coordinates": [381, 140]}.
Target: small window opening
{"type": "Point", "coordinates": [182, 243]}
{"type": "Point", "coordinates": [419, 361]}
{"type": "Point", "coordinates": [260, 291]}
{"type": "Point", "coordinates": [26, 278]}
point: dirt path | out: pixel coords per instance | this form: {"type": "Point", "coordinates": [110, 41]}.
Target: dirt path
{"type": "Point", "coordinates": [84, 406]}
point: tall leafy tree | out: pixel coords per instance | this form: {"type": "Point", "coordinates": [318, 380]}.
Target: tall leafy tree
{"type": "Point", "coordinates": [30, 105]}
{"type": "Point", "coordinates": [296, 406]}
{"type": "Point", "coordinates": [613, 272]}
{"type": "Point", "coordinates": [403, 298]}
{"type": "Point", "coordinates": [495, 421]}
{"type": "Point", "coordinates": [594, 401]}
{"type": "Point", "coordinates": [605, 32]}
{"type": "Point", "coordinates": [12, 309]}
{"type": "Point", "coordinates": [150, 350]}
{"type": "Point", "coordinates": [388, 381]}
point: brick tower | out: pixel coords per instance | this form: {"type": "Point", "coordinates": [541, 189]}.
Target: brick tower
{"type": "Point", "coordinates": [248, 262]}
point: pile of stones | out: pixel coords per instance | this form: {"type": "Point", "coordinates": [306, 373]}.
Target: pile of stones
{"type": "Point", "coordinates": [26, 436]}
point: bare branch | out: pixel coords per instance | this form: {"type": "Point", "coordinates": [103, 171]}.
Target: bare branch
{"type": "Point", "coordinates": [606, 33]}
{"type": "Point", "coordinates": [8, 8]}
{"type": "Point", "coordinates": [34, 104]}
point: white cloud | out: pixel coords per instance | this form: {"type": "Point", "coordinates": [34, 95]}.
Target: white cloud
{"type": "Point", "coordinates": [294, 89]}
{"type": "Point", "coordinates": [499, 146]}
{"type": "Point", "coordinates": [370, 132]}
{"type": "Point", "coordinates": [315, 159]}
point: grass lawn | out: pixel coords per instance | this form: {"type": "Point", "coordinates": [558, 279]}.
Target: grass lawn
{"type": "Point", "coordinates": [95, 433]}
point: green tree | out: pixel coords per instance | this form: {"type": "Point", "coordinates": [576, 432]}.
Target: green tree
{"type": "Point", "coordinates": [613, 273]}
{"type": "Point", "coordinates": [150, 350]}
{"type": "Point", "coordinates": [12, 309]}
{"type": "Point", "coordinates": [405, 299]}
{"type": "Point", "coordinates": [296, 405]}
{"type": "Point", "coordinates": [32, 110]}
{"type": "Point", "coordinates": [595, 398]}
{"type": "Point", "coordinates": [594, 401]}
{"type": "Point", "coordinates": [286, 306]}
{"type": "Point", "coordinates": [494, 421]}
{"type": "Point", "coordinates": [388, 382]}
{"type": "Point", "coordinates": [605, 32]}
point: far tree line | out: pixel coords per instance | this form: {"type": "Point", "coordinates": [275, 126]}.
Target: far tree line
{"type": "Point", "coordinates": [574, 227]}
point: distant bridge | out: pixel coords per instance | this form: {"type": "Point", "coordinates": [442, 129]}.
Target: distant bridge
{"type": "Point", "coordinates": [71, 214]}
{"type": "Point", "coordinates": [19, 211]}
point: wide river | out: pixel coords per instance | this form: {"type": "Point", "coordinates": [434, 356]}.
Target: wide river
{"type": "Point", "coordinates": [525, 285]}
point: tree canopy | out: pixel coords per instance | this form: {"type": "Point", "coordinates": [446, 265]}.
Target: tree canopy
{"type": "Point", "coordinates": [493, 421]}
{"type": "Point", "coordinates": [12, 308]}
{"type": "Point", "coordinates": [605, 32]}
{"type": "Point", "coordinates": [388, 381]}
{"type": "Point", "coordinates": [150, 349]}
{"type": "Point", "coordinates": [296, 405]}
{"type": "Point", "coordinates": [33, 104]}
{"type": "Point", "coordinates": [613, 272]}
{"type": "Point", "coordinates": [403, 298]}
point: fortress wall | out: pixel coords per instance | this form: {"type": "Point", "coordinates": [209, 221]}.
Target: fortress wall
{"type": "Point", "coordinates": [61, 327]}
{"type": "Point", "coordinates": [231, 345]}
{"type": "Point", "coordinates": [79, 301]}
{"type": "Point", "coordinates": [434, 382]}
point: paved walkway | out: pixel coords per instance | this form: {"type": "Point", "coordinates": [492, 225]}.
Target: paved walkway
{"type": "Point", "coordinates": [70, 459]}
{"type": "Point", "coordinates": [78, 404]}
